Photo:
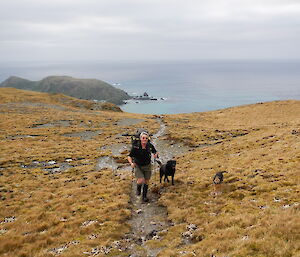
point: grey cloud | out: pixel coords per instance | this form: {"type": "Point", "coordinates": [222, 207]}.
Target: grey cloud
{"type": "Point", "coordinates": [147, 29]}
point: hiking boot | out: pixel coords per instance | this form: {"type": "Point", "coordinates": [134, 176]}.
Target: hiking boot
{"type": "Point", "coordinates": [145, 191]}
{"type": "Point", "coordinates": [145, 199]}
{"type": "Point", "coordinates": [138, 189]}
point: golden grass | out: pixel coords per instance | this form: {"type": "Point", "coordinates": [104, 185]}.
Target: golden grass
{"type": "Point", "coordinates": [256, 212]}
{"type": "Point", "coordinates": [79, 207]}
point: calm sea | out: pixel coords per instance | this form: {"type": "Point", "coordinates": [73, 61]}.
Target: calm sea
{"type": "Point", "coordinates": [185, 86]}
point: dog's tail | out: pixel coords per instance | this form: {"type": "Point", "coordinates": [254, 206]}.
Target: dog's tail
{"type": "Point", "coordinates": [158, 161]}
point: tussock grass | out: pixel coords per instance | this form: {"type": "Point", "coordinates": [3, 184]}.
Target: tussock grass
{"type": "Point", "coordinates": [256, 212]}
{"type": "Point", "coordinates": [47, 208]}
{"type": "Point", "coordinates": [78, 207]}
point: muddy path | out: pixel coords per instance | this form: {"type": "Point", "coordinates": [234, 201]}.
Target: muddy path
{"type": "Point", "coordinates": [149, 220]}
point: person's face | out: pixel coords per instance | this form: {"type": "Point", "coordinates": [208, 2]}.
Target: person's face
{"type": "Point", "coordinates": [144, 139]}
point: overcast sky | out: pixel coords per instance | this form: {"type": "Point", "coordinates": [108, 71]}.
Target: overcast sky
{"type": "Point", "coordinates": [97, 30]}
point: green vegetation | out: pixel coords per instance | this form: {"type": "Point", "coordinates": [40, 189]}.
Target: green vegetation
{"type": "Point", "coordinates": [89, 89]}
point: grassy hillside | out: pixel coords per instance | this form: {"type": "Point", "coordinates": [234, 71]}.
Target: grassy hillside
{"type": "Point", "coordinates": [60, 101]}
{"type": "Point", "coordinates": [89, 89]}
{"type": "Point", "coordinates": [256, 212]}
{"type": "Point", "coordinates": [52, 194]}
{"type": "Point", "coordinates": [56, 200]}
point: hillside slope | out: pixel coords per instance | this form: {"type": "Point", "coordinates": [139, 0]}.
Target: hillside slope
{"type": "Point", "coordinates": [256, 210]}
{"type": "Point", "coordinates": [89, 89]}
{"type": "Point", "coordinates": [17, 96]}
{"type": "Point", "coordinates": [55, 198]}
{"type": "Point", "coordinates": [58, 199]}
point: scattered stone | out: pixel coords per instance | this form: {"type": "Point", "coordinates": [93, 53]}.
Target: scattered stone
{"type": "Point", "coordinates": [92, 236]}
{"type": "Point", "coordinates": [245, 237]}
{"type": "Point", "coordinates": [8, 220]}
{"type": "Point", "coordinates": [262, 207]}
{"type": "Point", "coordinates": [139, 211]}
{"type": "Point", "coordinates": [151, 234]}
{"type": "Point", "coordinates": [187, 234]}
{"type": "Point", "coordinates": [59, 250]}
{"type": "Point", "coordinates": [3, 231]}
{"type": "Point", "coordinates": [116, 244]}
{"type": "Point", "coordinates": [95, 251]}
{"type": "Point", "coordinates": [104, 249]}
{"type": "Point", "coordinates": [139, 241]}
{"type": "Point", "coordinates": [182, 253]}
{"type": "Point", "coordinates": [191, 227]}
{"type": "Point", "coordinates": [53, 171]}
{"type": "Point", "coordinates": [88, 223]}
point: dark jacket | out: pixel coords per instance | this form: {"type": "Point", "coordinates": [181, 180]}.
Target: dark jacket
{"type": "Point", "coordinates": [141, 156]}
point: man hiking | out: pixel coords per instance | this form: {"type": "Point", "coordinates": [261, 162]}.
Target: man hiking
{"type": "Point", "coordinates": [140, 160]}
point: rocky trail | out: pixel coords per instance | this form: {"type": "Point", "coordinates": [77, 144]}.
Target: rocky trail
{"type": "Point", "coordinates": [149, 220]}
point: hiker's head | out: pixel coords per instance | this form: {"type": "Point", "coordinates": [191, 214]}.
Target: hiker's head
{"type": "Point", "coordinates": [144, 136]}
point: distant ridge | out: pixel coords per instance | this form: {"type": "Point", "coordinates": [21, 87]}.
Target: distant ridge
{"type": "Point", "coordinates": [89, 89]}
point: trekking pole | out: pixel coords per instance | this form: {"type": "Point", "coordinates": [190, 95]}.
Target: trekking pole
{"type": "Point", "coordinates": [158, 162]}
{"type": "Point", "coordinates": [187, 186]}
{"type": "Point", "coordinates": [156, 182]}
{"type": "Point", "coordinates": [132, 171]}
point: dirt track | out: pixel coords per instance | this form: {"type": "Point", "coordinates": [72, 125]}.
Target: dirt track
{"type": "Point", "coordinates": [149, 220]}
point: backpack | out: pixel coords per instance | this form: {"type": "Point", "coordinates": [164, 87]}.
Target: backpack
{"type": "Point", "coordinates": [136, 141]}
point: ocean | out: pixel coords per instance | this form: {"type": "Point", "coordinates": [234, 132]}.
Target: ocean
{"type": "Point", "coordinates": [181, 86]}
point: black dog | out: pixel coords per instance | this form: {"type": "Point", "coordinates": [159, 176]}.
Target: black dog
{"type": "Point", "coordinates": [218, 178]}
{"type": "Point", "coordinates": [168, 169]}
